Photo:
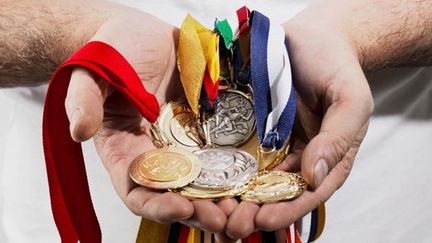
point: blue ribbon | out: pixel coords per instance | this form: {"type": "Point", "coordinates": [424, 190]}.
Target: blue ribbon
{"type": "Point", "coordinates": [261, 89]}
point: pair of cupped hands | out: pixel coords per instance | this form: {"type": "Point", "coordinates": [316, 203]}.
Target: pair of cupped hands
{"type": "Point", "coordinates": [334, 104]}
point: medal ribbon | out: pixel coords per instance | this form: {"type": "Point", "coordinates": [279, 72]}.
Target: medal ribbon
{"type": "Point", "coordinates": [198, 67]}
{"type": "Point", "coordinates": [70, 196]}
{"type": "Point", "coordinates": [273, 94]}
{"type": "Point", "coordinates": [317, 223]}
{"type": "Point", "coordinates": [231, 28]}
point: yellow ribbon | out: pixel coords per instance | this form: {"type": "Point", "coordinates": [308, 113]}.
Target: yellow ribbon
{"type": "Point", "coordinates": [198, 49]}
{"type": "Point", "coordinates": [194, 236]}
{"type": "Point", "coordinates": [152, 232]}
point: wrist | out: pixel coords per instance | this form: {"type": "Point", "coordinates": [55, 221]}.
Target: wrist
{"type": "Point", "coordinates": [75, 23]}
{"type": "Point", "coordinates": [382, 33]}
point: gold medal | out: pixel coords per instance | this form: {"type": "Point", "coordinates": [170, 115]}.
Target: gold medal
{"type": "Point", "coordinates": [273, 186]}
{"type": "Point", "coordinates": [165, 168]}
{"type": "Point", "coordinates": [269, 159]}
{"type": "Point", "coordinates": [201, 193]}
{"type": "Point", "coordinates": [179, 125]}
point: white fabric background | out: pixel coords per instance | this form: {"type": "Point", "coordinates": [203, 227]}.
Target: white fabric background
{"type": "Point", "coordinates": [385, 199]}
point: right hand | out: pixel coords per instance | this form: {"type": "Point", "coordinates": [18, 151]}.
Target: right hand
{"type": "Point", "coordinates": [120, 132]}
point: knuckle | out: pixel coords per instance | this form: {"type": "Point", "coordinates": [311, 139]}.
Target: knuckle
{"type": "Point", "coordinates": [339, 146]}
{"type": "Point", "coordinates": [173, 209]}
{"type": "Point", "coordinates": [215, 224]}
{"type": "Point", "coordinates": [268, 223]}
{"type": "Point", "coordinates": [133, 205]}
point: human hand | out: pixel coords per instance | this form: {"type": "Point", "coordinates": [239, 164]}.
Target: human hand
{"type": "Point", "coordinates": [119, 131]}
{"type": "Point", "coordinates": [334, 104]}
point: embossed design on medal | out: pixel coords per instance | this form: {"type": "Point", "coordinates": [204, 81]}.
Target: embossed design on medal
{"type": "Point", "coordinates": [233, 122]}
{"type": "Point", "coordinates": [273, 186]}
{"type": "Point", "coordinates": [191, 192]}
{"type": "Point", "coordinates": [165, 167]}
{"type": "Point", "coordinates": [224, 168]}
{"type": "Point", "coordinates": [179, 124]}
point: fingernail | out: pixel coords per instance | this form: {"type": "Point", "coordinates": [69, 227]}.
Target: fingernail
{"type": "Point", "coordinates": [320, 172]}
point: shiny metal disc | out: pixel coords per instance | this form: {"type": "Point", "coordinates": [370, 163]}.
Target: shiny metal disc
{"type": "Point", "coordinates": [274, 186]}
{"type": "Point", "coordinates": [233, 122]}
{"type": "Point", "coordinates": [202, 193]}
{"type": "Point", "coordinates": [224, 168]}
{"type": "Point", "coordinates": [165, 168]}
{"type": "Point", "coordinates": [178, 122]}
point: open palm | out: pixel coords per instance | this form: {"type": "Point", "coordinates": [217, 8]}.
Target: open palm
{"type": "Point", "coordinates": [119, 131]}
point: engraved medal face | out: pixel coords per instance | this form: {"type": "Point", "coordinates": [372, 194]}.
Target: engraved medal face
{"type": "Point", "coordinates": [273, 186]}
{"type": "Point", "coordinates": [224, 168]}
{"type": "Point", "coordinates": [201, 193]}
{"type": "Point", "coordinates": [179, 124]}
{"type": "Point", "coordinates": [165, 168]}
{"type": "Point", "coordinates": [233, 122]}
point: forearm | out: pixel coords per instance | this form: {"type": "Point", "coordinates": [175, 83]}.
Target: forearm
{"type": "Point", "coordinates": [385, 33]}
{"type": "Point", "coordinates": [37, 36]}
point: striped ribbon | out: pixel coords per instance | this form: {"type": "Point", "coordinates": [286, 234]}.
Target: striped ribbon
{"type": "Point", "coordinates": [151, 232]}
{"type": "Point", "coordinates": [231, 28]}
{"type": "Point", "coordinates": [273, 93]}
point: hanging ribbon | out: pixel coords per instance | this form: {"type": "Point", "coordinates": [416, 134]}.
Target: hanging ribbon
{"type": "Point", "coordinates": [231, 28]}
{"type": "Point", "coordinates": [70, 196]}
{"type": "Point", "coordinates": [153, 232]}
{"type": "Point", "coordinates": [198, 53]}
{"type": "Point", "coordinates": [317, 223]}
{"type": "Point", "coordinates": [273, 94]}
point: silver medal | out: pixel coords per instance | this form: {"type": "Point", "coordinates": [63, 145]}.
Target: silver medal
{"type": "Point", "coordinates": [224, 168]}
{"type": "Point", "coordinates": [233, 122]}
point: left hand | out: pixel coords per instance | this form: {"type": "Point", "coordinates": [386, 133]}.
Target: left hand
{"type": "Point", "coordinates": [334, 104]}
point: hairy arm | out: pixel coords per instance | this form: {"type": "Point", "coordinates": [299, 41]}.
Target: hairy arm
{"type": "Point", "coordinates": [37, 36]}
{"type": "Point", "coordinates": [385, 33]}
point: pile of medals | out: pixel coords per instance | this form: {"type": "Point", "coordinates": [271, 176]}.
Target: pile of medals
{"type": "Point", "coordinates": [235, 126]}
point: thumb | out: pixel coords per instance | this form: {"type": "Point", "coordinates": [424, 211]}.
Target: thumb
{"type": "Point", "coordinates": [84, 104]}
{"type": "Point", "coordinates": [350, 106]}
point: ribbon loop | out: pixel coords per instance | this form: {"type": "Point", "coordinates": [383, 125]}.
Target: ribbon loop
{"type": "Point", "coordinates": [70, 196]}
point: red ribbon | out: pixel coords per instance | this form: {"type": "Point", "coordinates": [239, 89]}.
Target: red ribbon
{"type": "Point", "coordinates": [243, 14]}
{"type": "Point", "coordinates": [70, 196]}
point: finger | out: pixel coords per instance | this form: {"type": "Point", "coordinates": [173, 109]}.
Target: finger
{"type": "Point", "coordinates": [163, 208]}
{"type": "Point", "coordinates": [154, 205]}
{"type": "Point", "coordinates": [241, 223]}
{"type": "Point", "coordinates": [227, 205]}
{"type": "Point", "coordinates": [350, 108]}
{"type": "Point", "coordinates": [84, 104]}
{"type": "Point", "coordinates": [207, 216]}
{"type": "Point", "coordinates": [280, 215]}
{"type": "Point", "coordinates": [292, 163]}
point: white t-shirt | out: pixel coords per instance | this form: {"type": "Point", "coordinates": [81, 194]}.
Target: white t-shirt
{"type": "Point", "coordinates": [385, 199]}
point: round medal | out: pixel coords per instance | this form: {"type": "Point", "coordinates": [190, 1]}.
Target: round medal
{"type": "Point", "coordinates": [233, 122]}
{"type": "Point", "coordinates": [201, 193]}
{"type": "Point", "coordinates": [224, 168]}
{"type": "Point", "coordinates": [165, 168]}
{"type": "Point", "coordinates": [273, 186]}
{"type": "Point", "coordinates": [179, 124]}
{"type": "Point", "coordinates": [269, 159]}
